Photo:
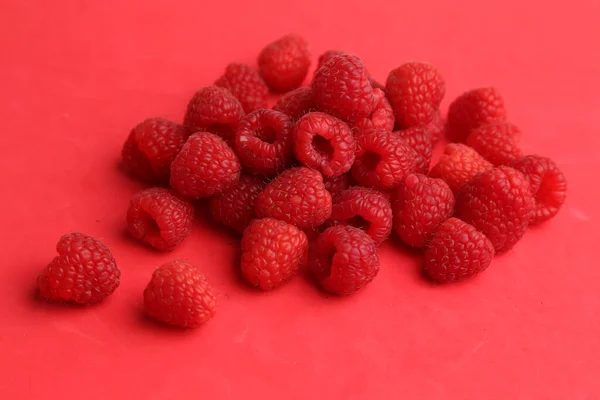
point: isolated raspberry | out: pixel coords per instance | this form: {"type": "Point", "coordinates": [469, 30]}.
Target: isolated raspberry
{"type": "Point", "coordinates": [382, 117]}
{"type": "Point", "coordinates": [325, 143]}
{"type": "Point", "coordinates": [246, 84]}
{"type": "Point", "coordinates": [419, 139]}
{"type": "Point", "coordinates": [496, 142]}
{"type": "Point", "coordinates": [548, 185]}
{"type": "Point", "coordinates": [297, 196]}
{"type": "Point", "coordinates": [84, 272]}
{"type": "Point", "coordinates": [336, 184]}
{"type": "Point", "coordinates": [458, 164]}
{"type": "Point", "coordinates": [205, 166]}
{"type": "Point", "coordinates": [272, 252]}
{"type": "Point", "coordinates": [178, 294]}
{"type": "Point", "coordinates": [344, 259]}
{"type": "Point", "coordinates": [296, 103]}
{"type": "Point", "coordinates": [457, 251]}
{"type": "Point", "coordinates": [420, 204]}
{"type": "Point", "coordinates": [498, 203]}
{"type": "Point", "coordinates": [160, 218]}
{"type": "Point", "coordinates": [284, 63]}
{"type": "Point", "coordinates": [235, 207]}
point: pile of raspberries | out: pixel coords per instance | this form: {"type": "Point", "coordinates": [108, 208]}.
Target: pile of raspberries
{"type": "Point", "coordinates": [320, 180]}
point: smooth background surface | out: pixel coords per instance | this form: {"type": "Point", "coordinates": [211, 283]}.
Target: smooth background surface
{"type": "Point", "coordinates": [75, 76]}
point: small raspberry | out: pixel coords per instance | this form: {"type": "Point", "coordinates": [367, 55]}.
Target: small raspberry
{"type": "Point", "coordinates": [158, 217]}
{"type": "Point", "coordinates": [84, 272]}
{"type": "Point", "coordinates": [205, 166]}
{"type": "Point", "coordinates": [382, 116]}
{"type": "Point", "coordinates": [246, 84]}
{"type": "Point", "coordinates": [457, 251]}
{"type": "Point", "coordinates": [458, 164]}
{"type": "Point", "coordinates": [419, 140]}
{"type": "Point", "coordinates": [235, 207]}
{"type": "Point", "coordinates": [496, 142]}
{"type": "Point", "coordinates": [296, 103]}
{"type": "Point", "coordinates": [178, 294]}
{"type": "Point", "coordinates": [329, 54]}
{"type": "Point", "coordinates": [284, 63]}
{"type": "Point", "coordinates": [336, 184]}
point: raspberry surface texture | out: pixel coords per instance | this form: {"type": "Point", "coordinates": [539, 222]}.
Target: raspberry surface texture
{"type": "Point", "coordinates": [336, 184]}
{"type": "Point", "coordinates": [284, 63]}
{"type": "Point", "coordinates": [296, 103]}
{"type": "Point", "coordinates": [329, 54]}
{"type": "Point", "coordinates": [245, 84]}
{"type": "Point", "coordinates": [419, 139]}
{"type": "Point", "coordinates": [382, 116]}
{"type": "Point", "coordinates": [496, 142]}
{"type": "Point", "coordinates": [235, 207]}
{"type": "Point", "coordinates": [436, 127]}
{"type": "Point", "coordinates": [458, 164]}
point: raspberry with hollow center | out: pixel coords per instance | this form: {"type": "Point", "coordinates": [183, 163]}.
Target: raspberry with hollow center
{"type": "Point", "coordinates": [296, 103]}
{"type": "Point", "coordinates": [419, 139]}
{"type": "Point", "coordinates": [246, 84]}
{"type": "Point", "coordinates": [496, 142]}
{"type": "Point", "coordinates": [284, 63]}
{"type": "Point", "coordinates": [382, 116]}
{"type": "Point", "coordinates": [458, 164]}
{"type": "Point", "coordinates": [235, 207]}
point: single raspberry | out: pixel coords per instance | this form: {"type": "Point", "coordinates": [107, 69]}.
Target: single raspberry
{"type": "Point", "coordinates": [84, 272]}
{"type": "Point", "coordinates": [205, 166]}
{"type": "Point", "coordinates": [235, 207]}
{"type": "Point", "coordinates": [457, 251]}
{"type": "Point", "coordinates": [329, 54]}
{"type": "Point", "coordinates": [160, 218]}
{"type": "Point", "coordinates": [325, 143]}
{"type": "Point", "coordinates": [363, 208]}
{"type": "Point", "coordinates": [382, 116]}
{"type": "Point", "coordinates": [458, 164]}
{"type": "Point", "coordinates": [548, 185]}
{"type": "Point", "coordinates": [284, 63]}
{"type": "Point", "coordinates": [344, 259]}
{"type": "Point", "coordinates": [496, 142]}
{"type": "Point", "coordinates": [246, 84]}
{"type": "Point", "coordinates": [419, 140]}
{"type": "Point", "coordinates": [297, 196]}
{"type": "Point", "coordinates": [263, 141]}
{"type": "Point", "coordinates": [296, 103]}
{"type": "Point", "coordinates": [336, 184]}
{"type": "Point", "coordinates": [471, 110]}
{"type": "Point", "coordinates": [178, 294]}
{"type": "Point", "coordinates": [420, 204]}
{"type": "Point", "coordinates": [498, 203]}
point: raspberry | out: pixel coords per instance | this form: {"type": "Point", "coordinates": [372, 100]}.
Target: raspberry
{"type": "Point", "coordinates": [419, 140]}
{"type": "Point", "coordinates": [471, 110]}
{"type": "Point", "coordinates": [336, 184]}
{"type": "Point", "coordinates": [235, 207]}
{"type": "Point", "coordinates": [375, 84]}
{"type": "Point", "coordinates": [458, 164]}
{"type": "Point", "coordinates": [84, 272]}
{"type": "Point", "coordinates": [457, 251]}
{"type": "Point", "coordinates": [178, 294]}
{"type": "Point", "coordinates": [297, 196]}
{"type": "Point", "coordinates": [329, 54]}
{"type": "Point", "coordinates": [498, 203]}
{"type": "Point", "coordinates": [263, 141]}
{"type": "Point", "coordinates": [420, 204]}
{"type": "Point", "coordinates": [325, 143]}
{"type": "Point", "coordinates": [496, 142]}
{"type": "Point", "coordinates": [246, 84]}
{"type": "Point", "coordinates": [363, 208]}
{"type": "Point", "coordinates": [383, 159]}
{"type": "Point", "coordinates": [284, 63]}
{"type": "Point", "coordinates": [151, 147]}
{"type": "Point", "coordinates": [344, 259]}
{"type": "Point", "coordinates": [158, 217]}
{"type": "Point", "coordinates": [205, 166]}
{"type": "Point", "coordinates": [272, 251]}
{"type": "Point", "coordinates": [548, 185]}
{"type": "Point", "coordinates": [296, 103]}
{"type": "Point", "coordinates": [435, 127]}
{"type": "Point", "coordinates": [382, 116]}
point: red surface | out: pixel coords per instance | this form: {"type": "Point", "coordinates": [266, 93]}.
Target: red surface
{"type": "Point", "coordinates": [76, 75]}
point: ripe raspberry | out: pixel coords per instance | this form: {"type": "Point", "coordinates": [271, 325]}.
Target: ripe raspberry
{"type": "Point", "coordinates": [344, 259]}
{"type": "Point", "coordinates": [382, 116]}
{"type": "Point", "coordinates": [325, 143]}
{"type": "Point", "coordinates": [420, 204]}
{"type": "Point", "coordinates": [235, 207]}
{"type": "Point", "coordinates": [84, 272]}
{"type": "Point", "coordinates": [151, 147]}
{"type": "Point", "coordinates": [158, 217]}
{"type": "Point", "coordinates": [458, 164]}
{"type": "Point", "coordinates": [272, 251]}
{"type": "Point", "coordinates": [548, 185]}
{"type": "Point", "coordinates": [178, 294]}
{"type": "Point", "coordinates": [336, 184]}
{"type": "Point", "coordinates": [498, 203]}
{"type": "Point", "coordinates": [419, 140]}
{"type": "Point", "coordinates": [471, 110]}
{"type": "Point", "coordinates": [329, 54]}
{"type": "Point", "coordinates": [284, 63]}
{"type": "Point", "coordinates": [297, 196]}
{"type": "Point", "coordinates": [457, 251]}
{"type": "Point", "coordinates": [246, 84]}
{"type": "Point", "coordinates": [296, 103]}
{"type": "Point", "coordinates": [205, 166]}
{"type": "Point", "coordinates": [366, 209]}
{"type": "Point", "coordinates": [263, 141]}
{"type": "Point", "coordinates": [496, 142]}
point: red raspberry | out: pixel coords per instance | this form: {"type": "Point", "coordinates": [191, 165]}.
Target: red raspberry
{"type": "Point", "coordinates": [496, 142]}
{"type": "Point", "coordinates": [457, 251]}
{"type": "Point", "coordinates": [235, 207]}
{"type": "Point", "coordinates": [296, 103]}
{"type": "Point", "coordinates": [336, 184]}
{"type": "Point", "coordinates": [284, 63]}
{"type": "Point", "coordinates": [205, 166]}
{"type": "Point", "coordinates": [419, 140]}
{"type": "Point", "coordinates": [178, 294]}
{"type": "Point", "coordinates": [344, 259]}
{"type": "Point", "coordinates": [246, 84]}
{"type": "Point", "coordinates": [366, 209]}
{"type": "Point", "coordinates": [420, 204]}
{"type": "Point", "coordinates": [325, 143]}
{"type": "Point", "coordinates": [84, 272]}
{"type": "Point", "coordinates": [158, 217]}
{"type": "Point", "coordinates": [548, 185]}
{"type": "Point", "coordinates": [272, 252]}
{"type": "Point", "coordinates": [263, 141]}
{"type": "Point", "coordinates": [471, 110]}
{"type": "Point", "coordinates": [498, 203]}
{"type": "Point", "coordinates": [375, 84]}
{"type": "Point", "coordinates": [329, 54]}
{"type": "Point", "coordinates": [435, 127]}
{"type": "Point", "coordinates": [458, 164]}
{"type": "Point", "coordinates": [383, 159]}
{"type": "Point", "coordinates": [382, 116]}
{"type": "Point", "coordinates": [297, 196]}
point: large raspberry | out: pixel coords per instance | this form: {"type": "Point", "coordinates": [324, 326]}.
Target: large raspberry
{"type": "Point", "coordinates": [246, 84]}
{"type": "Point", "coordinates": [336, 184]}
{"type": "Point", "coordinates": [382, 117]}
{"type": "Point", "coordinates": [235, 207]}
{"type": "Point", "coordinates": [496, 142]}
{"type": "Point", "coordinates": [419, 139]}
{"type": "Point", "coordinates": [296, 103]}
{"type": "Point", "coordinates": [458, 164]}
{"type": "Point", "coordinates": [284, 63]}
